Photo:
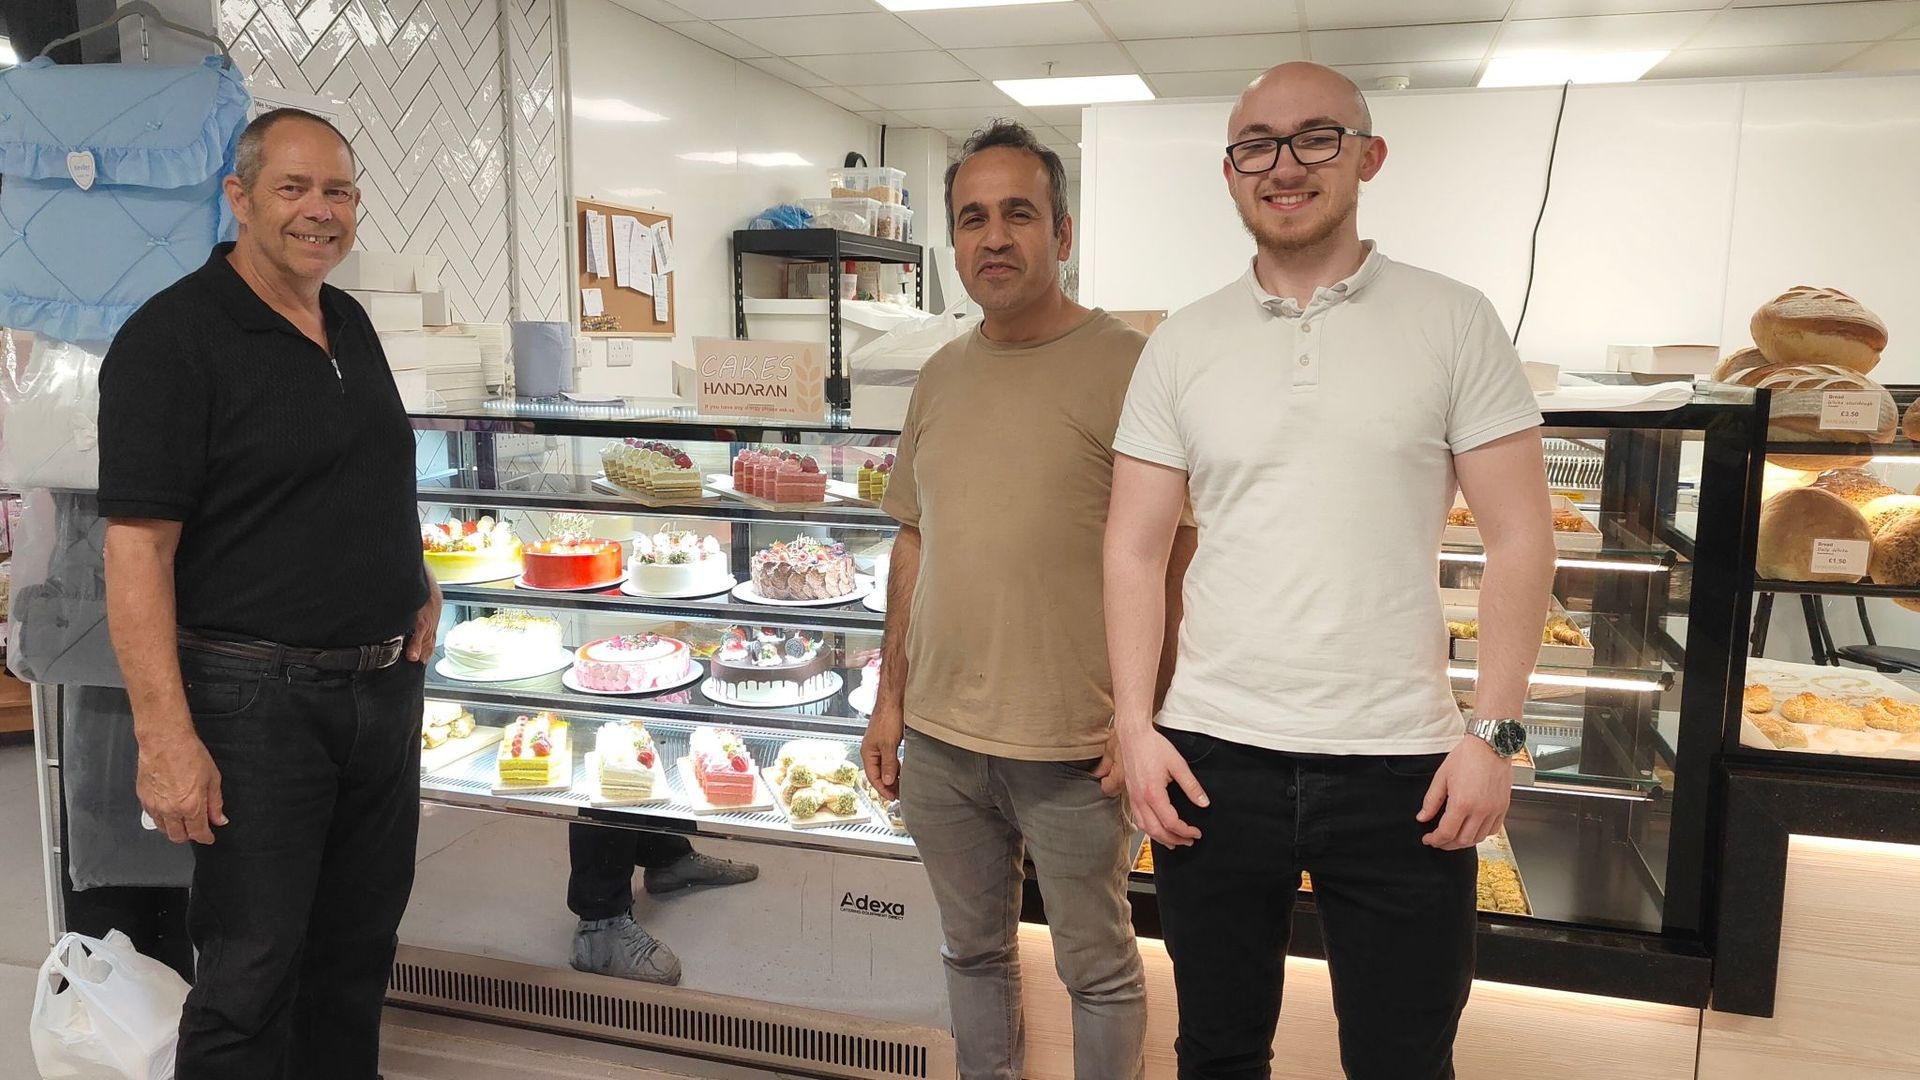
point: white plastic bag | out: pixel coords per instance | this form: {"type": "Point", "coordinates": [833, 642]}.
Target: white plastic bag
{"type": "Point", "coordinates": [886, 368]}
{"type": "Point", "coordinates": [102, 1011]}
{"type": "Point", "coordinates": [50, 392]}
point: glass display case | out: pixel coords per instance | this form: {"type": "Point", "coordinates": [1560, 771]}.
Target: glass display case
{"type": "Point", "coordinates": [1594, 886]}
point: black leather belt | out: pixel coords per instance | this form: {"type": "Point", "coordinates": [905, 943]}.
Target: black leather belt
{"type": "Point", "coordinates": [356, 658]}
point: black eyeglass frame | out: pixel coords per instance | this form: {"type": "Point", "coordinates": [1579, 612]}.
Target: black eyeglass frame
{"type": "Point", "coordinates": [1285, 143]}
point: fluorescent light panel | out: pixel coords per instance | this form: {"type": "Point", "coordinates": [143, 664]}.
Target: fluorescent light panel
{"type": "Point", "coordinates": [1552, 69]}
{"type": "Point", "coordinates": [1077, 90]}
{"type": "Point", "coordinates": [942, 5]}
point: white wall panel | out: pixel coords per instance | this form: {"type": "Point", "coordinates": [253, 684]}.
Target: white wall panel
{"type": "Point", "coordinates": [695, 162]}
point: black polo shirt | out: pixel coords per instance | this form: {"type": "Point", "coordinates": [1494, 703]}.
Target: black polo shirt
{"type": "Point", "coordinates": [294, 482]}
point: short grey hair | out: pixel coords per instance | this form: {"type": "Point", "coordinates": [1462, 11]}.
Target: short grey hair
{"type": "Point", "coordinates": [249, 156]}
{"type": "Point", "coordinates": [1013, 135]}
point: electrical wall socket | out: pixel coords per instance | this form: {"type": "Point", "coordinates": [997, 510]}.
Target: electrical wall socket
{"type": "Point", "coordinates": [620, 352]}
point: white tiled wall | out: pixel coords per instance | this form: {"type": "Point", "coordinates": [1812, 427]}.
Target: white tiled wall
{"type": "Point", "coordinates": [439, 160]}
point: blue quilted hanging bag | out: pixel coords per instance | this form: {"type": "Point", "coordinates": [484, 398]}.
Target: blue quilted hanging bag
{"type": "Point", "coordinates": [109, 187]}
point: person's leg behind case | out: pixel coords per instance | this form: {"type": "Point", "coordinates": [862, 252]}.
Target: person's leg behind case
{"type": "Point", "coordinates": [1078, 839]}
{"type": "Point", "coordinates": [253, 888]}
{"type": "Point", "coordinates": [1398, 917]}
{"type": "Point", "coordinates": [367, 875]}
{"type": "Point", "coordinates": [1226, 907]}
{"type": "Point", "coordinates": [972, 856]}
{"type": "Point", "coordinates": [600, 862]}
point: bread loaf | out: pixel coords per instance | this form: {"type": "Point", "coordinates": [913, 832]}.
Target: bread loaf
{"type": "Point", "coordinates": [1896, 557]}
{"type": "Point", "coordinates": [1792, 521]}
{"type": "Point", "coordinates": [1809, 325]}
{"type": "Point", "coordinates": [1743, 360]}
{"type": "Point", "coordinates": [1857, 486]}
{"type": "Point", "coordinates": [1885, 509]}
{"type": "Point", "coordinates": [1775, 478]}
{"type": "Point", "coordinates": [1799, 396]}
{"type": "Point", "coordinates": [1910, 423]}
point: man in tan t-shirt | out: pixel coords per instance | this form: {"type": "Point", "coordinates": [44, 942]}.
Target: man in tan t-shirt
{"type": "Point", "coordinates": [995, 662]}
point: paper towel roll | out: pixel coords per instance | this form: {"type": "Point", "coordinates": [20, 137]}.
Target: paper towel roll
{"type": "Point", "coordinates": [542, 358]}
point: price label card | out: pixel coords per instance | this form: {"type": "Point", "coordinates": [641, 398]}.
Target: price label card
{"type": "Point", "coordinates": [1841, 557]}
{"type": "Point", "coordinates": [1850, 410]}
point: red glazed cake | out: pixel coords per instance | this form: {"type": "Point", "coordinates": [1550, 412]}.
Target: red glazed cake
{"type": "Point", "coordinates": [573, 564]}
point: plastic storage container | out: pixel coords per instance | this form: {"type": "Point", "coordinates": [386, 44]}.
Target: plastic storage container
{"type": "Point", "coordinates": [895, 222]}
{"type": "Point", "coordinates": [847, 215]}
{"type": "Point", "coordinates": [879, 184]}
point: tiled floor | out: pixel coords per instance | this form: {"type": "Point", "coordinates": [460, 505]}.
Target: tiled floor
{"type": "Point", "coordinates": [417, 1046]}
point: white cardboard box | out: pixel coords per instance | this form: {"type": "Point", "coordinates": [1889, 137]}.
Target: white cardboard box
{"type": "Point", "coordinates": [435, 310]}
{"type": "Point", "coordinates": [380, 271]}
{"type": "Point", "coordinates": [426, 351]}
{"type": "Point", "coordinates": [392, 311]}
{"type": "Point", "coordinates": [1663, 359]}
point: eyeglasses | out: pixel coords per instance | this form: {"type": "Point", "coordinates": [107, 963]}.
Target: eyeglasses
{"type": "Point", "coordinates": [1314, 146]}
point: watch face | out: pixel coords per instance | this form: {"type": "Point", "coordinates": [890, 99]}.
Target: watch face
{"type": "Point", "coordinates": [1509, 737]}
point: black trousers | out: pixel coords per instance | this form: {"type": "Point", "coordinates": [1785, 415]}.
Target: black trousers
{"type": "Point", "coordinates": [1397, 916]}
{"type": "Point", "coordinates": [296, 904]}
{"type": "Point", "coordinates": [600, 884]}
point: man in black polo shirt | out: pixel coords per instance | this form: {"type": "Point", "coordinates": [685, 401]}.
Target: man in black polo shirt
{"type": "Point", "coordinates": [272, 614]}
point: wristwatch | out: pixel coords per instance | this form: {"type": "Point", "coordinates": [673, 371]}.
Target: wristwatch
{"type": "Point", "coordinates": [1506, 737]}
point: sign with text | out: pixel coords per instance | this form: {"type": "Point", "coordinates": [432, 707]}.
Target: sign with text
{"type": "Point", "coordinates": [784, 380]}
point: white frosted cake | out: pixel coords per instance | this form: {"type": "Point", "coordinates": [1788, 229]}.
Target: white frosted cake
{"type": "Point", "coordinates": [625, 759]}
{"type": "Point", "coordinates": [677, 562]}
{"type": "Point", "coordinates": [505, 641]}
{"type": "Point", "coordinates": [633, 662]}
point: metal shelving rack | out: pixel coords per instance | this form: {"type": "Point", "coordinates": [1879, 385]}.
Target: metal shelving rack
{"type": "Point", "coordinates": [835, 248]}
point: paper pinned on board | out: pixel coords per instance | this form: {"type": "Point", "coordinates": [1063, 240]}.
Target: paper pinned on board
{"type": "Point", "coordinates": [663, 247]}
{"type": "Point", "coordinates": [662, 301]}
{"type": "Point", "coordinates": [597, 244]}
{"type": "Point", "coordinates": [623, 255]}
{"type": "Point", "coordinates": [592, 303]}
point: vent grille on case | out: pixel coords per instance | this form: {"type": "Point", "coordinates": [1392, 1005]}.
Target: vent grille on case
{"type": "Point", "coordinates": [662, 1024]}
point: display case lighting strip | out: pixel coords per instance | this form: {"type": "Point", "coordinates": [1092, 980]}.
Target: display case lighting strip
{"type": "Point", "coordinates": [1591, 682]}
{"type": "Point", "coordinates": [1573, 564]}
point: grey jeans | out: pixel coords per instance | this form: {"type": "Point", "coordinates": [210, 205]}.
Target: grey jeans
{"type": "Point", "coordinates": [973, 818]}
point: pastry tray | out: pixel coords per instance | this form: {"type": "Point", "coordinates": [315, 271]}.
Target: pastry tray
{"type": "Point", "coordinates": [662, 502]}
{"type": "Point", "coordinates": [459, 749]}
{"type": "Point", "coordinates": [1588, 539]}
{"type": "Point", "coordinates": [722, 484]}
{"type": "Point", "coordinates": [821, 819]}
{"type": "Point", "coordinates": [1464, 604]}
{"type": "Point", "coordinates": [1851, 685]}
{"type": "Point", "coordinates": [590, 784]}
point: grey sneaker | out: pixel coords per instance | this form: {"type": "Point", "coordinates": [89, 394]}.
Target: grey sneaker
{"type": "Point", "coordinates": [697, 871]}
{"type": "Point", "coordinates": [623, 949]}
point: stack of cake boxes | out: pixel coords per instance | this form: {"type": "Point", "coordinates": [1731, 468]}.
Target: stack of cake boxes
{"type": "Point", "coordinates": [436, 361]}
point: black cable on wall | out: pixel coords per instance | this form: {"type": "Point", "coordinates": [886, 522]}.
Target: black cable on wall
{"type": "Point", "coordinates": [1533, 251]}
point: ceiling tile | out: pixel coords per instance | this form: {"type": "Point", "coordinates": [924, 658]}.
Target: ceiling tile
{"type": "Point", "coordinates": [658, 10]}
{"type": "Point", "coordinates": [950, 95]}
{"type": "Point", "coordinates": [1805, 24]}
{"type": "Point", "coordinates": [1216, 53]}
{"type": "Point", "coordinates": [927, 65]}
{"type": "Point", "coordinates": [1887, 56]}
{"type": "Point", "coordinates": [853, 103]}
{"type": "Point", "coordinates": [715, 38]}
{"type": "Point", "coordinates": [787, 70]}
{"type": "Point", "coordinates": [1059, 115]}
{"type": "Point", "coordinates": [1428, 76]}
{"type": "Point", "coordinates": [1342, 14]}
{"type": "Point", "coordinates": [1611, 33]}
{"type": "Point", "coordinates": [1031, 61]}
{"type": "Point", "coordinates": [985, 28]}
{"type": "Point", "coordinates": [965, 121]}
{"type": "Point", "coordinates": [1450, 41]}
{"type": "Point", "coordinates": [1787, 60]}
{"type": "Point", "coordinates": [1166, 18]}
{"type": "Point", "coordinates": [1203, 83]}
{"type": "Point", "coordinates": [1561, 9]}
{"type": "Point", "coordinates": [819, 35]}
{"type": "Point", "coordinates": [714, 10]}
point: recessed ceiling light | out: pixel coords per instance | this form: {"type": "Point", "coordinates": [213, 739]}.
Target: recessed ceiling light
{"type": "Point", "coordinates": [1552, 69]}
{"type": "Point", "coordinates": [1082, 90]}
{"type": "Point", "coordinates": [613, 110]}
{"type": "Point", "coordinates": [942, 5]}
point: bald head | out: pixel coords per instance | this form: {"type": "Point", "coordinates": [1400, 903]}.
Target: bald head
{"type": "Point", "coordinates": [1298, 95]}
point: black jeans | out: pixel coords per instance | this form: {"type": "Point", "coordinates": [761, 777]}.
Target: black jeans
{"type": "Point", "coordinates": [1397, 916]}
{"type": "Point", "coordinates": [600, 884]}
{"type": "Point", "coordinates": [296, 904]}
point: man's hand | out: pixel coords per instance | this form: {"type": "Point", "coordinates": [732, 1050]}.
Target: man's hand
{"type": "Point", "coordinates": [179, 787]}
{"type": "Point", "coordinates": [1150, 764]}
{"type": "Point", "coordinates": [1474, 785]}
{"type": "Point", "coordinates": [426, 625]}
{"type": "Point", "coordinates": [880, 750]}
{"type": "Point", "coordinates": [1111, 772]}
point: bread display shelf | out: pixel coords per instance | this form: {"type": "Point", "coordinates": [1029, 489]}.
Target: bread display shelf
{"type": "Point", "coordinates": [1463, 605]}
{"type": "Point", "coordinates": [1825, 588]}
{"type": "Point", "coordinates": [1848, 686]}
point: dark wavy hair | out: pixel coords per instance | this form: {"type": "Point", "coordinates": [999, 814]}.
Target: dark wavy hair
{"type": "Point", "coordinates": [1014, 135]}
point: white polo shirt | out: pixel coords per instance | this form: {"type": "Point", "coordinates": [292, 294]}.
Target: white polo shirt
{"type": "Point", "coordinates": [1319, 446]}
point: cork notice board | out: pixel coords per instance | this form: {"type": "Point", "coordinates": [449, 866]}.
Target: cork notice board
{"type": "Point", "coordinates": [627, 312]}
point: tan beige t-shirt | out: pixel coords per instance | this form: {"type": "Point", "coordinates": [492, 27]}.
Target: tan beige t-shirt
{"type": "Point", "coordinates": [1006, 468]}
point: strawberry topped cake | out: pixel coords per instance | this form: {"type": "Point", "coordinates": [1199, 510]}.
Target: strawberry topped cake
{"type": "Point", "coordinates": [779, 476]}
{"type": "Point", "coordinates": [655, 468]}
{"type": "Point", "coordinates": [573, 558]}
{"type": "Point", "coordinates": [533, 752]}
{"type": "Point", "coordinates": [461, 552]}
{"type": "Point", "coordinates": [632, 663]}
{"type": "Point", "coordinates": [676, 563]}
{"type": "Point", "coordinates": [874, 477]}
{"type": "Point", "coordinates": [722, 767]}
{"type": "Point", "coordinates": [805, 569]}
{"type": "Point", "coordinates": [625, 760]}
